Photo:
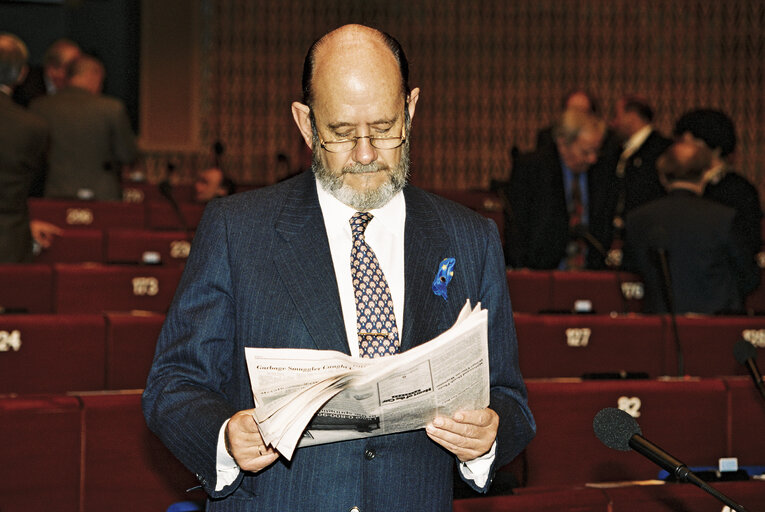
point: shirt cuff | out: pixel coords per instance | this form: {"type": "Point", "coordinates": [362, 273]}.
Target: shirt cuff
{"type": "Point", "coordinates": [226, 467]}
{"type": "Point", "coordinates": [479, 468]}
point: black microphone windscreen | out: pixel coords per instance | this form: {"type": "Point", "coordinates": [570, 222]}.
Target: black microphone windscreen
{"type": "Point", "coordinates": [615, 428]}
{"type": "Point", "coordinates": [743, 350]}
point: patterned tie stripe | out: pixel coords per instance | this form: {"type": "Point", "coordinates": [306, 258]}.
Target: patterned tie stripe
{"type": "Point", "coordinates": [375, 321]}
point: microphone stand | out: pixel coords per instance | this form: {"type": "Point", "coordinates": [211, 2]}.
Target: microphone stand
{"type": "Point", "coordinates": [669, 300]}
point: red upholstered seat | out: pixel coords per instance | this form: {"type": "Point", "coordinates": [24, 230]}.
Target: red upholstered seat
{"type": "Point", "coordinates": [685, 497]}
{"type": "Point", "coordinates": [87, 214]}
{"type": "Point", "coordinates": [572, 499]}
{"type": "Point", "coordinates": [530, 290]}
{"type": "Point", "coordinates": [747, 422]}
{"type": "Point", "coordinates": [127, 468]}
{"type": "Point", "coordinates": [26, 288]}
{"type": "Point", "coordinates": [97, 288]}
{"type": "Point", "coordinates": [572, 345]}
{"type": "Point", "coordinates": [74, 246]}
{"type": "Point", "coordinates": [161, 215]}
{"type": "Point", "coordinates": [51, 353]}
{"type": "Point", "coordinates": [604, 291]}
{"type": "Point", "coordinates": [685, 418]}
{"type": "Point", "coordinates": [708, 343]}
{"type": "Point", "coordinates": [130, 342]}
{"type": "Point", "coordinates": [39, 454]}
{"type": "Point", "coordinates": [134, 192]}
{"type": "Point", "coordinates": [145, 246]}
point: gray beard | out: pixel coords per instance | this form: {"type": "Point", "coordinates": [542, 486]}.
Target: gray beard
{"type": "Point", "coordinates": [370, 199]}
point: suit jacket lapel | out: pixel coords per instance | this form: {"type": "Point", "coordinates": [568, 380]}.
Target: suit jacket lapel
{"type": "Point", "coordinates": [304, 262]}
{"type": "Point", "coordinates": [425, 246]}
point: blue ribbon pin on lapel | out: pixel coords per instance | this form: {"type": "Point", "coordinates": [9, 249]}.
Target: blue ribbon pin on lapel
{"type": "Point", "coordinates": [443, 277]}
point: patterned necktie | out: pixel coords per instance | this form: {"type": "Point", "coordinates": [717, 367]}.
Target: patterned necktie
{"type": "Point", "coordinates": [376, 324]}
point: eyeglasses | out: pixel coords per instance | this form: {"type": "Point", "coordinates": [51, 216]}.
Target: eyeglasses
{"type": "Point", "coordinates": [346, 145]}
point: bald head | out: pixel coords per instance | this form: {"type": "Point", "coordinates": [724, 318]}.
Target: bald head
{"type": "Point", "coordinates": [359, 48]}
{"type": "Point", "coordinates": [13, 59]}
{"type": "Point", "coordinates": [86, 72]}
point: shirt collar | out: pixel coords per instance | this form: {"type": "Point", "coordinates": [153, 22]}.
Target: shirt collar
{"type": "Point", "coordinates": [637, 139]}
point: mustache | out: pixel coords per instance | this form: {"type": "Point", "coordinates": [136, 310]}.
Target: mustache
{"type": "Point", "coordinates": [358, 168]}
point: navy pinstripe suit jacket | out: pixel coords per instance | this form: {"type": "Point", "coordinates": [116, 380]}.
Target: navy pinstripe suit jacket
{"type": "Point", "coordinates": [260, 274]}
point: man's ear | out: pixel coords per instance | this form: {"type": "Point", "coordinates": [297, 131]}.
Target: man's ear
{"type": "Point", "coordinates": [302, 115]}
{"type": "Point", "coordinates": [414, 95]}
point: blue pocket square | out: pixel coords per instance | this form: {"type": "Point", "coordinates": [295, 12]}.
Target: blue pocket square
{"type": "Point", "coordinates": [443, 277]}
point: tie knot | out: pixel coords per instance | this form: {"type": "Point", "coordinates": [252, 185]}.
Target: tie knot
{"type": "Point", "coordinates": [359, 222]}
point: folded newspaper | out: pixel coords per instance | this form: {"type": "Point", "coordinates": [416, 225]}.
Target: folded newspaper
{"type": "Point", "coordinates": [305, 397]}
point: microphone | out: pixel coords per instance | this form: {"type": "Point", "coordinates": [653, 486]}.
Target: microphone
{"type": "Point", "coordinates": [582, 232]}
{"type": "Point", "coordinates": [746, 354]}
{"type": "Point", "coordinates": [166, 189]}
{"type": "Point", "coordinates": [657, 243]}
{"type": "Point", "coordinates": [620, 431]}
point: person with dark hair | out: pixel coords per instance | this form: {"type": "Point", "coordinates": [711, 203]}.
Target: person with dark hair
{"type": "Point", "coordinates": [701, 242]}
{"type": "Point", "coordinates": [91, 136]}
{"type": "Point", "coordinates": [632, 164]}
{"type": "Point", "coordinates": [722, 183]}
{"type": "Point", "coordinates": [556, 215]}
{"type": "Point", "coordinates": [278, 267]}
{"type": "Point", "coordinates": [23, 145]}
{"type": "Point", "coordinates": [51, 77]}
{"type": "Point", "coordinates": [212, 183]}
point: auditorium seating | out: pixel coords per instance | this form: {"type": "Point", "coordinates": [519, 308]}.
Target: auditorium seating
{"type": "Point", "coordinates": [162, 215]}
{"type": "Point", "coordinates": [708, 342]}
{"type": "Point", "coordinates": [138, 246]}
{"type": "Point", "coordinates": [26, 288]}
{"type": "Point", "coordinates": [127, 468]}
{"type": "Point", "coordinates": [574, 345]}
{"type": "Point", "coordinates": [570, 499]}
{"type": "Point", "coordinates": [553, 291]}
{"type": "Point", "coordinates": [40, 449]}
{"type": "Point", "coordinates": [747, 421]}
{"type": "Point", "coordinates": [140, 192]}
{"type": "Point", "coordinates": [530, 290]}
{"type": "Point", "coordinates": [73, 214]}
{"type": "Point", "coordinates": [74, 246]}
{"type": "Point", "coordinates": [685, 497]}
{"type": "Point", "coordinates": [629, 497]}
{"type": "Point", "coordinates": [131, 338]}
{"type": "Point", "coordinates": [688, 418]}
{"type": "Point", "coordinates": [96, 288]}
{"type": "Point", "coordinates": [51, 353]}
{"type": "Point", "coordinates": [599, 292]}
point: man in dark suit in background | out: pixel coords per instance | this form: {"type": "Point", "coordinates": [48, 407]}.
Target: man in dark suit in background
{"type": "Point", "coordinates": [23, 142]}
{"type": "Point", "coordinates": [271, 268]}
{"type": "Point", "coordinates": [632, 163]}
{"type": "Point", "coordinates": [721, 182]}
{"type": "Point", "coordinates": [558, 200]}
{"type": "Point", "coordinates": [700, 241]}
{"type": "Point", "coordinates": [91, 136]}
{"type": "Point", "coordinates": [51, 76]}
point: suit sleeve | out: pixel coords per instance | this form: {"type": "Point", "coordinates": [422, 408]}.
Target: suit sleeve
{"type": "Point", "coordinates": [184, 400]}
{"type": "Point", "coordinates": [508, 397]}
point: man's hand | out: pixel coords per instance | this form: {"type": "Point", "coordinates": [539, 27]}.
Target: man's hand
{"type": "Point", "coordinates": [468, 434]}
{"type": "Point", "coordinates": [244, 444]}
{"type": "Point", "coordinates": [43, 232]}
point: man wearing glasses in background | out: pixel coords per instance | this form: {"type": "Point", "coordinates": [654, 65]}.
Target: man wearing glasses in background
{"type": "Point", "coordinates": [273, 268]}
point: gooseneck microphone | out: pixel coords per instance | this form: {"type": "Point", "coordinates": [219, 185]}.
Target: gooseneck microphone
{"type": "Point", "coordinates": [746, 354]}
{"type": "Point", "coordinates": [618, 430]}
{"type": "Point", "coordinates": [658, 241]}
